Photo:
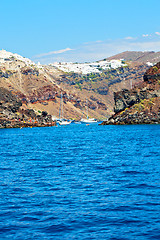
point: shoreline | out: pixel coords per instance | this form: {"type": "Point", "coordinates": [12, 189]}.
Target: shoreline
{"type": "Point", "coordinates": [27, 125]}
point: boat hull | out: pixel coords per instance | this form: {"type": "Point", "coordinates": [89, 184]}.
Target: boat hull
{"type": "Point", "coordinates": [64, 123]}
{"type": "Point", "coordinates": [88, 121]}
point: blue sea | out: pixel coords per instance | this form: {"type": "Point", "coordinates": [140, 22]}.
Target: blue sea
{"type": "Point", "coordinates": [80, 182]}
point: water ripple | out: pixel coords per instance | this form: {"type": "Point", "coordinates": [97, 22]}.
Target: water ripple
{"type": "Point", "coordinates": [80, 182]}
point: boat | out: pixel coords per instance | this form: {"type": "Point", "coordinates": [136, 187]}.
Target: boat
{"type": "Point", "coordinates": [62, 121]}
{"type": "Point", "coordinates": [88, 120]}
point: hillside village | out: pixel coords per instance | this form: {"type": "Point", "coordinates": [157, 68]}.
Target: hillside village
{"type": "Point", "coordinates": [85, 68]}
{"type": "Point", "coordinates": [82, 68]}
{"type": "Point", "coordinates": [34, 90]}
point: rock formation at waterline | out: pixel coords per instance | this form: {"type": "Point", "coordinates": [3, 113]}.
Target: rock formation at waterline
{"type": "Point", "coordinates": [141, 104]}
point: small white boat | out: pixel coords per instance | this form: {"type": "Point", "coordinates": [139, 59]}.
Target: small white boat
{"type": "Point", "coordinates": [88, 120]}
{"type": "Point", "coordinates": [62, 121]}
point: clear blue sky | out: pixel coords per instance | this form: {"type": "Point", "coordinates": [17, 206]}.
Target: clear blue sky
{"type": "Point", "coordinates": [32, 27]}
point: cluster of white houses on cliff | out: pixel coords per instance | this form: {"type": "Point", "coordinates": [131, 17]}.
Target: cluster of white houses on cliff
{"type": "Point", "coordinates": [85, 68]}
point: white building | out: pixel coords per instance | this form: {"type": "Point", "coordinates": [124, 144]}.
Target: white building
{"type": "Point", "coordinates": [85, 68]}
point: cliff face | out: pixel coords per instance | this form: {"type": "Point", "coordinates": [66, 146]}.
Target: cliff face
{"type": "Point", "coordinates": [36, 87]}
{"type": "Point", "coordinates": [141, 104]}
{"type": "Point", "coordinates": [39, 87]}
{"type": "Point", "coordinates": [13, 115]}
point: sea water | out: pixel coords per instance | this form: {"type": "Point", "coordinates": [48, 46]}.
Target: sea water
{"type": "Point", "coordinates": [80, 182]}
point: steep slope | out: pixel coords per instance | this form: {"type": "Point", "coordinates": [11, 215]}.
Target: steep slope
{"type": "Point", "coordinates": [135, 56]}
{"type": "Point", "coordinates": [98, 88]}
{"type": "Point", "coordinates": [141, 104]}
{"type": "Point", "coordinates": [12, 113]}
{"type": "Point", "coordinates": [39, 87]}
{"type": "Point", "coordinates": [34, 85]}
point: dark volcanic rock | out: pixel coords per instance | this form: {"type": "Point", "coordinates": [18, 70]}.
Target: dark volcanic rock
{"type": "Point", "coordinates": [11, 115]}
{"type": "Point", "coordinates": [44, 113]}
{"type": "Point", "coordinates": [152, 74]}
{"type": "Point", "coordinates": [126, 98]}
{"type": "Point", "coordinates": [140, 105]}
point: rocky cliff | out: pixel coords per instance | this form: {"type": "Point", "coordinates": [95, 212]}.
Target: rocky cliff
{"type": "Point", "coordinates": [38, 89]}
{"type": "Point", "coordinates": [141, 104]}
{"type": "Point", "coordinates": [13, 115]}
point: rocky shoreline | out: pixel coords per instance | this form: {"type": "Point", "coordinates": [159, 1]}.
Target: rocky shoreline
{"type": "Point", "coordinates": [30, 107]}
{"type": "Point", "coordinates": [15, 124]}
{"type": "Point", "coordinates": [141, 104]}
{"type": "Point", "coordinates": [12, 115]}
